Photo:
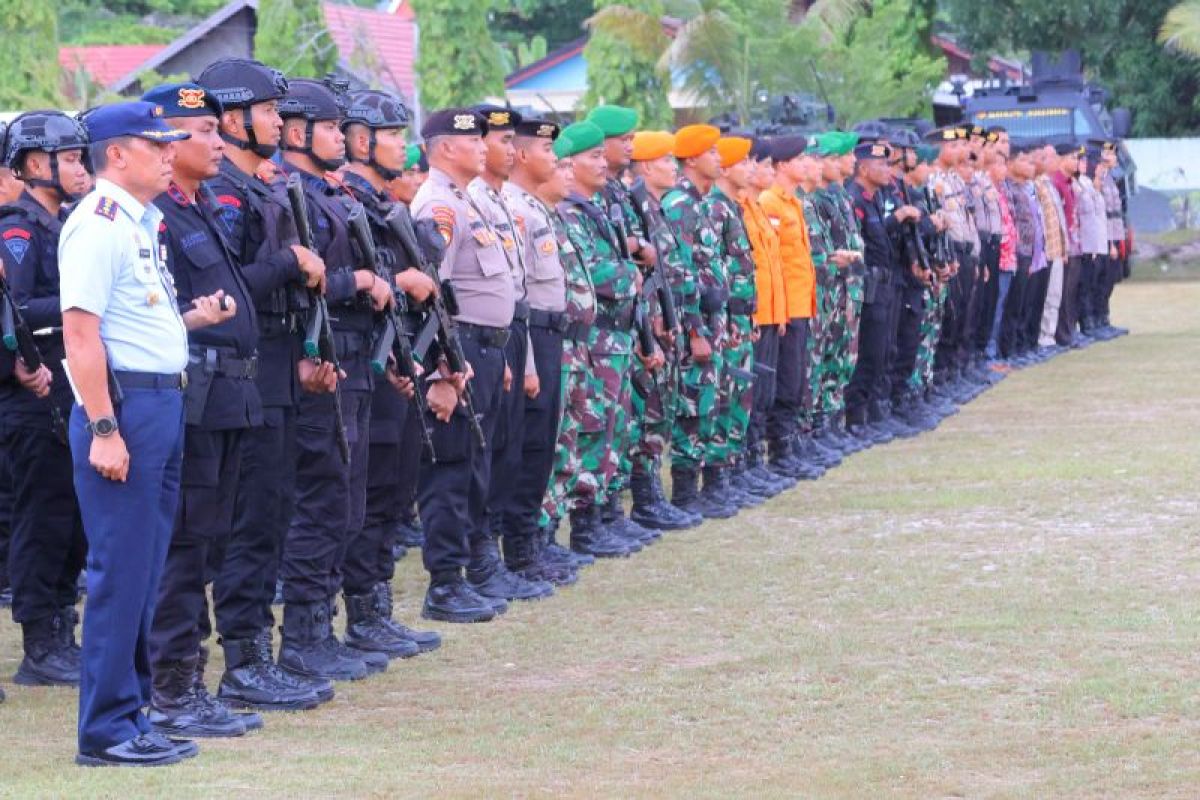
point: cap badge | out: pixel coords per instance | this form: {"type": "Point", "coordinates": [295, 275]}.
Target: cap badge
{"type": "Point", "coordinates": [191, 98]}
{"type": "Point", "coordinates": [464, 122]}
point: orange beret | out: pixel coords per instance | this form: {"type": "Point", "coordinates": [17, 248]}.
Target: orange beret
{"type": "Point", "coordinates": [733, 149]}
{"type": "Point", "coordinates": [649, 145]}
{"type": "Point", "coordinates": [695, 140]}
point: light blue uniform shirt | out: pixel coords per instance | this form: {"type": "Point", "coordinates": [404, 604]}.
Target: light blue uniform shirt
{"type": "Point", "coordinates": [110, 265]}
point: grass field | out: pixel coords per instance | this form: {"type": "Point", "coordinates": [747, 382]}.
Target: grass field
{"type": "Point", "coordinates": [1008, 607]}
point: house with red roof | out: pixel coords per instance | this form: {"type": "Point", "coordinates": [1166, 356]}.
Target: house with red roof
{"type": "Point", "coordinates": [375, 48]}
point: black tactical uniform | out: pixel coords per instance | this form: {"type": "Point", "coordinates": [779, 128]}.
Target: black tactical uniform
{"type": "Point", "coordinates": [47, 549]}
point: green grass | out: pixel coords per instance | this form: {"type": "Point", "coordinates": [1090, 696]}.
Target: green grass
{"type": "Point", "coordinates": [1008, 607]}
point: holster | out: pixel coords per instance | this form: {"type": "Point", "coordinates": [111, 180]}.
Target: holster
{"type": "Point", "coordinates": [201, 369]}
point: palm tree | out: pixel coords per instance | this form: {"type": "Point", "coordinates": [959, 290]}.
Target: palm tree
{"type": "Point", "coordinates": [1180, 29]}
{"type": "Point", "coordinates": [725, 53]}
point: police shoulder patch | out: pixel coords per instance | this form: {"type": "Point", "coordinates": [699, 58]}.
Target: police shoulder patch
{"type": "Point", "coordinates": [107, 207]}
{"type": "Point", "coordinates": [443, 217]}
{"type": "Point", "coordinates": [16, 241]}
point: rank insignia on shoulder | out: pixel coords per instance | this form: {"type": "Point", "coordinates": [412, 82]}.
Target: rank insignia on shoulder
{"type": "Point", "coordinates": [107, 207]}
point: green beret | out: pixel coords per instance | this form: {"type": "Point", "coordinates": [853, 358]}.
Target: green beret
{"type": "Point", "coordinates": [579, 137]}
{"type": "Point", "coordinates": [613, 120]}
{"type": "Point", "coordinates": [829, 144]}
{"type": "Point", "coordinates": [849, 142]}
{"type": "Point", "coordinates": [412, 155]}
{"type": "Point", "coordinates": [927, 153]}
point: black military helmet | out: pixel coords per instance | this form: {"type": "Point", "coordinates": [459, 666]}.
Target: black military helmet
{"type": "Point", "coordinates": [242, 82]}
{"type": "Point", "coordinates": [871, 130]}
{"type": "Point", "coordinates": [376, 110]}
{"type": "Point", "coordinates": [314, 101]}
{"type": "Point", "coordinates": [49, 131]}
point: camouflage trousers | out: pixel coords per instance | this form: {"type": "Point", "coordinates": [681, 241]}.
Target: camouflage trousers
{"type": "Point", "coordinates": [846, 299]}
{"type": "Point", "coordinates": [653, 412]}
{"type": "Point", "coordinates": [825, 332]}
{"type": "Point", "coordinates": [695, 411]}
{"type": "Point", "coordinates": [582, 428]}
{"type": "Point", "coordinates": [613, 370]}
{"type": "Point", "coordinates": [930, 333]}
{"type": "Point", "coordinates": [734, 394]}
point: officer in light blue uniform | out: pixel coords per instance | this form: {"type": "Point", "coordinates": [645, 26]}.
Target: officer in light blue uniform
{"type": "Point", "coordinates": [126, 346]}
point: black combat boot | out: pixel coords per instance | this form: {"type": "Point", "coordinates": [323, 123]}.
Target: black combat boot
{"type": "Point", "coordinates": [556, 554]}
{"type": "Point", "coordinates": [489, 577]}
{"type": "Point", "coordinates": [177, 709]}
{"type": "Point", "coordinates": [612, 516]}
{"type": "Point", "coordinates": [756, 466]}
{"type": "Point", "coordinates": [409, 533]}
{"type": "Point", "coordinates": [249, 719]}
{"type": "Point", "coordinates": [426, 641]}
{"type": "Point", "coordinates": [365, 629]}
{"type": "Point", "coordinates": [65, 623]}
{"type": "Point", "coordinates": [646, 511]}
{"type": "Point", "coordinates": [590, 538]}
{"type": "Point", "coordinates": [375, 661]}
{"type": "Point", "coordinates": [309, 647]}
{"type": "Point", "coordinates": [686, 518]}
{"type": "Point", "coordinates": [252, 679]}
{"type": "Point", "coordinates": [47, 661]}
{"type": "Point", "coordinates": [807, 451]}
{"type": "Point", "coordinates": [715, 502]}
{"type": "Point", "coordinates": [449, 599]}
{"type": "Point", "coordinates": [745, 479]}
{"type": "Point", "coordinates": [523, 554]}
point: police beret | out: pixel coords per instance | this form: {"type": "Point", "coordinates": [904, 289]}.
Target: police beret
{"type": "Point", "coordinates": [184, 100]}
{"type": "Point", "coordinates": [785, 148]}
{"type": "Point", "coordinates": [538, 129]}
{"type": "Point", "coordinates": [695, 140]}
{"type": "Point", "coordinates": [578, 137]}
{"type": "Point", "coordinates": [499, 118]}
{"type": "Point", "coordinates": [733, 149]}
{"type": "Point", "coordinates": [412, 156]}
{"type": "Point", "coordinates": [761, 149]}
{"type": "Point", "coordinates": [867, 150]}
{"type": "Point", "coordinates": [138, 118]}
{"type": "Point", "coordinates": [649, 145]}
{"type": "Point", "coordinates": [613, 120]}
{"type": "Point", "coordinates": [454, 122]}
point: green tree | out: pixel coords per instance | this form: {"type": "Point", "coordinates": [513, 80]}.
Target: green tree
{"type": "Point", "coordinates": [1118, 39]}
{"type": "Point", "coordinates": [1180, 29]}
{"type": "Point", "coordinates": [30, 78]}
{"type": "Point", "coordinates": [880, 65]}
{"type": "Point", "coordinates": [292, 37]}
{"type": "Point", "coordinates": [458, 62]}
{"type": "Point", "coordinates": [623, 54]}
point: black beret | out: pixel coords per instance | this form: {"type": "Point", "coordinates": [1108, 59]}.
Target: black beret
{"type": "Point", "coordinates": [454, 122]}
{"type": "Point", "coordinates": [499, 118]}
{"type": "Point", "coordinates": [538, 129]}
{"type": "Point", "coordinates": [761, 149]}
{"type": "Point", "coordinates": [785, 148]}
{"type": "Point", "coordinates": [1066, 149]}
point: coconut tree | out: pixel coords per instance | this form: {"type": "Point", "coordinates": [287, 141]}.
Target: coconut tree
{"type": "Point", "coordinates": [1180, 29]}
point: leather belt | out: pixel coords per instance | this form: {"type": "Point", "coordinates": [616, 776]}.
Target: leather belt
{"type": "Point", "coordinates": [554, 320]}
{"type": "Point", "coordinates": [738, 305]}
{"type": "Point", "coordinates": [577, 331]}
{"type": "Point", "coordinates": [608, 322]}
{"type": "Point", "coordinates": [151, 380]}
{"type": "Point", "coordinates": [484, 335]}
{"type": "Point", "coordinates": [221, 361]}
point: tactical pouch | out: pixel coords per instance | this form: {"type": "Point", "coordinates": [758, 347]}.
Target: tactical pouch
{"type": "Point", "coordinates": [713, 299]}
{"type": "Point", "coordinates": [201, 367]}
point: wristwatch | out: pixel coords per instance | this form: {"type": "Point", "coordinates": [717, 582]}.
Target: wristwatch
{"type": "Point", "coordinates": [103, 427]}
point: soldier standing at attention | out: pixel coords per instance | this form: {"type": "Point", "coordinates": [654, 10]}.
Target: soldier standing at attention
{"type": "Point", "coordinates": [610, 345]}
{"type": "Point", "coordinates": [452, 492]}
{"type": "Point", "coordinates": [220, 403]}
{"type": "Point", "coordinates": [488, 574]}
{"type": "Point", "coordinates": [46, 553]}
{"type": "Point", "coordinates": [126, 346]}
{"type": "Point", "coordinates": [545, 285]}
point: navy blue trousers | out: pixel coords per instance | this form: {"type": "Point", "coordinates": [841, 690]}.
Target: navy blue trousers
{"type": "Point", "coordinates": [535, 462]}
{"type": "Point", "coordinates": [128, 527]}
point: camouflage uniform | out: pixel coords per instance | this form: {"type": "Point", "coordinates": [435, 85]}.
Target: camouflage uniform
{"type": "Point", "coordinates": [610, 344]}
{"type": "Point", "coordinates": [688, 214]}
{"type": "Point", "coordinates": [820, 329]}
{"type": "Point", "coordinates": [654, 393]}
{"type": "Point", "coordinates": [584, 422]}
{"type": "Point", "coordinates": [934, 312]}
{"type": "Point", "coordinates": [735, 400]}
{"type": "Point", "coordinates": [844, 234]}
